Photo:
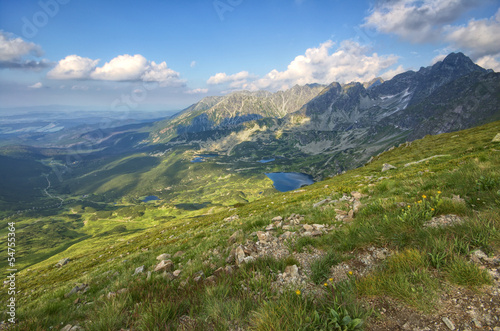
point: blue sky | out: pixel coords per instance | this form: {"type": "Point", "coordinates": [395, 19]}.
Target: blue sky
{"type": "Point", "coordinates": [166, 55]}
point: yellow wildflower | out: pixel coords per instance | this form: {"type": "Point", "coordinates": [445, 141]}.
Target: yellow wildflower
{"type": "Point", "coordinates": [297, 292]}
{"type": "Point", "coordinates": [439, 192]}
{"type": "Point", "coordinates": [419, 201]}
{"type": "Point", "coordinates": [325, 284]}
{"type": "Point", "coordinates": [350, 272]}
{"type": "Point", "coordinates": [408, 206]}
{"type": "Point", "coordinates": [423, 196]}
{"type": "Point", "coordinates": [432, 209]}
{"type": "Point", "coordinates": [331, 279]}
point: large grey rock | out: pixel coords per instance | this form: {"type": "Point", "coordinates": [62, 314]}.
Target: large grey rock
{"type": "Point", "coordinates": [496, 139]}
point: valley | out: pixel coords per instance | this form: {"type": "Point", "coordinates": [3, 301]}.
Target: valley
{"type": "Point", "coordinates": [263, 201]}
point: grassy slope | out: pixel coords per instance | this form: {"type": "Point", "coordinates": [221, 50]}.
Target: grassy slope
{"type": "Point", "coordinates": [425, 259]}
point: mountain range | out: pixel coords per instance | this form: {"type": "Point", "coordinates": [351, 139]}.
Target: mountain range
{"type": "Point", "coordinates": [316, 129]}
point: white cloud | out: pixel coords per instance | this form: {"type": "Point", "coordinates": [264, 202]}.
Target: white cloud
{"type": "Point", "coordinates": [237, 79]}
{"type": "Point", "coordinates": [489, 62]}
{"type": "Point", "coordinates": [161, 73]}
{"type": "Point", "coordinates": [36, 85]}
{"type": "Point", "coordinates": [389, 74]}
{"type": "Point", "coordinates": [417, 20]}
{"type": "Point", "coordinates": [73, 67]}
{"type": "Point", "coordinates": [15, 49]}
{"type": "Point", "coordinates": [349, 62]}
{"type": "Point", "coordinates": [193, 64]}
{"type": "Point", "coordinates": [197, 91]}
{"type": "Point", "coordinates": [479, 38]}
{"type": "Point", "coordinates": [121, 68]}
{"type": "Point", "coordinates": [13, 53]}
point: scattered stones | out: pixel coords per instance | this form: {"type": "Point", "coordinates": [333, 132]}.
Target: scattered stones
{"type": "Point", "coordinates": [163, 257]}
{"type": "Point", "coordinates": [138, 270]}
{"type": "Point", "coordinates": [443, 221]}
{"type": "Point", "coordinates": [387, 166]}
{"type": "Point", "coordinates": [264, 236]}
{"type": "Point", "coordinates": [176, 273]}
{"type": "Point", "coordinates": [277, 219]}
{"type": "Point", "coordinates": [270, 227]}
{"type": "Point", "coordinates": [76, 289]}
{"type": "Point", "coordinates": [232, 218]}
{"type": "Point", "coordinates": [165, 265]}
{"type": "Point", "coordinates": [63, 262]}
{"type": "Point", "coordinates": [308, 227]}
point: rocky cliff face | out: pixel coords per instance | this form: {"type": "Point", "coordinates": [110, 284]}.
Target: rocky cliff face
{"type": "Point", "coordinates": [213, 113]}
{"type": "Point", "coordinates": [342, 126]}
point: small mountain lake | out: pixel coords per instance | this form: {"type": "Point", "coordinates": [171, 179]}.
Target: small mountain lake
{"type": "Point", "coordinates": [150, 198]}
{"type": "Point", "coordinates": [201, 158]}
{"type": "Point", "coordinates": [266, 160]}
{"type": "Point", "coordinates": [288, 181]}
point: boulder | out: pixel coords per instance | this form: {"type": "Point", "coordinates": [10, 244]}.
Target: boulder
{"type": "Point", "coordinates": [165, 265]}
{"type": "Point", "coordinates": [177, 272]}
{"type": "Point", "coordinates": [387, 167]}
{"type": "Point", "coordinates": [277, 219]}
{"type": "Point", "coordinates": [496, 139]}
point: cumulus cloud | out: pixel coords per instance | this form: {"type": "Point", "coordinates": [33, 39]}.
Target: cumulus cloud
{"type": "Point", "coordinates": [417, 20]}
{"type": "Point", "coordinates": [73, 67]}
{"type": "Point", "coordinates": [479, 38]}
{"type": "Point", "coordinates": [121, 68]}
{"type": "Point", "coordinates": [238, 80]}
{"type": "Point", "coordinates": [14, 50]}
{"type": "Point", "coordinates": [349, 62]}
{"type": "Point", "coordinates": [36, 85]}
